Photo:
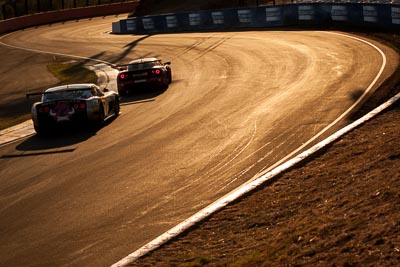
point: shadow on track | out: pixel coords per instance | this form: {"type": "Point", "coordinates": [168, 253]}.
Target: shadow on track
{"type": "Point", "coordinates": [57, 139]}
{"type": "Point", "coordinates": [128, 48]}
{"type": "Point", "coordinates": [141, 95]}
{"type": "Point", "coordinates": [60, 138]}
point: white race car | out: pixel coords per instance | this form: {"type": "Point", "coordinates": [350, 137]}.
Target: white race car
{"type": "Point", "coordinates": [74, 104]}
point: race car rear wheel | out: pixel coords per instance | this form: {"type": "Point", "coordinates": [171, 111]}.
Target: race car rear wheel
{"type": "Point", "coordinates": [39, 130]}
{"type": "Point", "coordinates": [116, 107]}
{"type": "Point", "coordinates": [169, 77]}
{"type": "Point", "coordinates": [100, 119]}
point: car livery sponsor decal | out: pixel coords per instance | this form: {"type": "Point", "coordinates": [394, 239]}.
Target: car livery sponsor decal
{"type": "Point", "coordinates": [194, 19]}
{"type": "Point", "coordinates": [131, 25]}
{"type": "Point", "coordinates": [217, 17]}
{"type": "Point", "coordinates": [370, 13]}
{"type": "Point", "coordinates": [148, 23]}
{"type": "Point", "coordinates": [62, 112]}
{"type": "Point", "coordinates": [339, 13]}
{"type": "Point", "coordinates": [172, 21]}
{"type": "Point", "coordinates": [306, 12]}
{"type": "Point", "coordinates": [245, 16]}
{"type": "Point", "coordinates": [273, 14]}
{"type": "Point", "coordinates": [396, 15]}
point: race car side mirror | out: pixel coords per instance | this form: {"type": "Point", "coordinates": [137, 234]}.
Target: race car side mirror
{"type": "Point", "coordinates": [167, 63]}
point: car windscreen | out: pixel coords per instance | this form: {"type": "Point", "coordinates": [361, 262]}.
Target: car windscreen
{"type": "Point", "coordinates": [67, 95]}
{"type": "Point", "coordinates": [142, 65]}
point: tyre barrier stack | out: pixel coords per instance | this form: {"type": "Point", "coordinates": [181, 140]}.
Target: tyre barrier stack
{"type": "Point", "coordinates": [379, 16]}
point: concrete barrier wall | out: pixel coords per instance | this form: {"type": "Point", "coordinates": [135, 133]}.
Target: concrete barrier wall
{"type": "Point", "coordinates": [382, 16]}
{"type": "Point", "coordinates": [22, 22]}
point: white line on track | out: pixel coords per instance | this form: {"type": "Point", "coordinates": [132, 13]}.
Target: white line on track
{"type": "Point", "coordinates": [373, 83]}
{"type": "Point", "coordinates": [270, 172]}
{"type": "Point", "coordinates": [49, 53]}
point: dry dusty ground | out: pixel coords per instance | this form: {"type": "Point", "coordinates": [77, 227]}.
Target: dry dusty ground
{"type": "Point", "coordinates": [342, 208]}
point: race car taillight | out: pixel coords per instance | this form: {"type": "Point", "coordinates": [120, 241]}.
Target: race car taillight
{"type": "Point", "coordinates": [79, 106]}
{"type": "Point", "coordinates": [156, 72]}
{"type": "Point", "coordinates": [43, 109]}
{"type": "Point", "coordinates": [123, 76]}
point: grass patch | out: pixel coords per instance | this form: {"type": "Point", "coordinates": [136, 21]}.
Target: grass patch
{"type": "Point", "coordinates": [71, 72]}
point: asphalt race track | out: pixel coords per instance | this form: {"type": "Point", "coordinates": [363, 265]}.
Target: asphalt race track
{"type": "Point", "coordinates": [239, 103]}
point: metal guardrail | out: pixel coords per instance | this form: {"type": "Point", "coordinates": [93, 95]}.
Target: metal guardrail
{"type": "Point", "coordinates": [16, 8]}
{"type": "Point", "coordinates": [22, 22]}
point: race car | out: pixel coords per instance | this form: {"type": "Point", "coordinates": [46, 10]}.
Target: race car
{"type": "Point", "coordinates": [73, 104]}
{"type": "Point", "coordinates": [144, 73]}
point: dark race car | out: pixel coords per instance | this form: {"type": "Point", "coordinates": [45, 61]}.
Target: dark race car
{"type": "Point", "coordinates": [73, 104]}
{"type": "Point", "coordinates": [144, 73]}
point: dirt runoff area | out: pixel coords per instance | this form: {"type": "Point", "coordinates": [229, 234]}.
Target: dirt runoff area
{"type": "Point", "coordinates": [341, 208]}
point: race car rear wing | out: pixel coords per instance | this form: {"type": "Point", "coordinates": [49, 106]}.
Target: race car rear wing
{"type": "Point", "coordinates": [59, 91]}
{"type": "Point", "coordinates": [34, 94]}
{"type": "Point", "coordinates": [121, 67]}
{"type": "Point", "coordinates": [125, 66]}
